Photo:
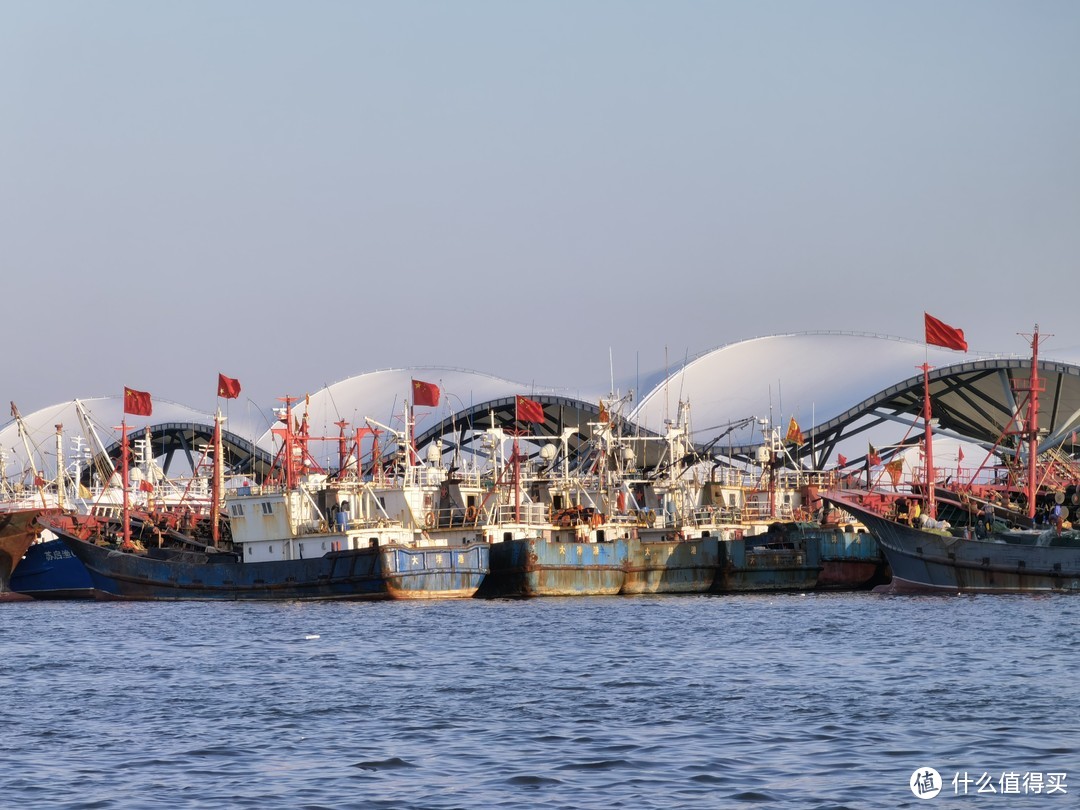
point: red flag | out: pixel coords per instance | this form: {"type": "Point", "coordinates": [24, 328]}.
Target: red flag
{"type": "Point", "coordinates": [145, 486]}
{"type": "Point", "coordinates": [872, 457]}
{"type": "Point", "coordinates": [227, 387]}
{"type": "Point", "coordinates": [425, 393]}
{"type": "Point", "coordinates": [529, 410]}
{"type": "Point", "coordinates": [841, 459]}
{"type": "Point", "coordinates": [39, 482]}
{"type": "Point", "coordinates": [959, 454]}
{"type": "Point", "coordinates": [137, 403]}
{"type": "Point", "coordinates": [941, 334]}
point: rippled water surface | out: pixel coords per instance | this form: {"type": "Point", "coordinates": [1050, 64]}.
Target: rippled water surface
{"type": "Point", "coordinates": [817, 701]}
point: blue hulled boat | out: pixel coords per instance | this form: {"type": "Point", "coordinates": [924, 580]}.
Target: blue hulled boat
{"type": "Point", "coordinates": [49, 570]}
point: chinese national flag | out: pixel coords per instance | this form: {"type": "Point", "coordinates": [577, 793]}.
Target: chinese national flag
{"type": "Point", "coordinates": [841, 459]}
{"type": "Point", "coordinates": [872, 457]}
{"type": "Point", "coordinates": [959, 454]}
{"type": "Point", "coordinates": [529, 410]}
{"type": "Point", "coordinates": [145, 486]}
{"type": "Point", "coordinates": [227, 387]}
{"type": "Point", "coordinates": [137, 403]}
{"type": "Point", "coordinates": [794, 434]}
{"type": "Point", "coordinates": [425, 393]}
{"type": "Point", "coordinates": [941, 334]}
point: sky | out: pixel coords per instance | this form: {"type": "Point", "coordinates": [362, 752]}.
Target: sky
{"type": "Point", "coordinates": [557, 193]}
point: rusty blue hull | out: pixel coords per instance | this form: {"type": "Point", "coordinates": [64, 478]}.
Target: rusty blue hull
{"type": "Point", "coordinates": [671, 566]}
{"type": "Point", "coordinates": [747, 565]}
{"type": "Point", "coordinates": [539, 567]}
{"type": "Point", "coordinates": [387, 572]}
{"type": "Point", "coordinates": [850, 560]}
{"type": "Point", "coordinates": [1015, 562]}
{"type": "Point", "coordinates": [50, 571]}
{"type": "Point", "coordinates": [435, 573]}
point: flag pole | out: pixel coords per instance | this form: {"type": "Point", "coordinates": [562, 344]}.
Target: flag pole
{"type": "Point", "coordinates": [124, 483]}
{"type": "Point", "coordinates": [931, 502]}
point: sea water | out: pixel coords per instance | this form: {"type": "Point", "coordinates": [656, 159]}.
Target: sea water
{"type": "Point", "coordinates": [815, 701]}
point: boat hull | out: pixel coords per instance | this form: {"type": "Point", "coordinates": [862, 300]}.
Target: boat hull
{"type": "Point", "coordinates": [50, 571]}
{"type": "Point", "coordinates": [849, 560]}
{"type": "Point", "coordinates": [539, 567]}
{"type": "Point", "coordinates": [18, 531]}
{"type": "Point", "coordinates": [924, 560]}
{"type": "Point", "coordinates": [358, 574]}
{"type": "Point", "coordinates": [744, 567]}
{"type": "Point", "coordinates": [453, 572]}
{"type": "Point", "coordinates": [671, 566]}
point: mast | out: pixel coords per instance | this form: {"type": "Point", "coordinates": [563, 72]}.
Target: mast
{"type": "Point", "coordinates": [931, 501]}
{"type": "Point", "coordinates": [1032, 426]}
{"type": "Point", "coordinates": [60, 466]}
{"type": "Point", "coordinates": [124, 482]}
{"type": "Point", "coordinates": [216, 485]}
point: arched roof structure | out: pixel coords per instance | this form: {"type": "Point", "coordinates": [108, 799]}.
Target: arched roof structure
{"type": "Point", "coordinates": [177, 435]}
{"type": "Point", "coordinates": [838, 386]}
{"type": "Point", "coordinates": [470, 402]}
{"type": "Point", "coordinates": [843, 389]}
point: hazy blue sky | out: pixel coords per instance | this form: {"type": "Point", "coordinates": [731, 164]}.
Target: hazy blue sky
{"type": "Point", "coordinates": [295, 193]}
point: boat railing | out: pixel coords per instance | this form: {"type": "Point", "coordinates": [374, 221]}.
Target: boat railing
{"type": "Point", "coordinates": [530, 514]}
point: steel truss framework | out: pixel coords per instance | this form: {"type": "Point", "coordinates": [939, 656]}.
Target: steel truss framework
{"type": "Point", "coordinates": [184, 440]}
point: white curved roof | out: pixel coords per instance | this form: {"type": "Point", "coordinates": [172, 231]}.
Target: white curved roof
{"type": "Point", "coordinates": [105, 415]}
{"type": "Point", "coordinates": [812, 377]}
{"type": "Point", "coordinates": [380, 395]}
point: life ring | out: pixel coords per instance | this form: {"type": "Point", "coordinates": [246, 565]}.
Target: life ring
{"type": "Point", "coordinates": [650, 518]}
{"type": "Point", "coordinates": [470, 513]}
{"type": "Point", "coordinates": [429, 520]}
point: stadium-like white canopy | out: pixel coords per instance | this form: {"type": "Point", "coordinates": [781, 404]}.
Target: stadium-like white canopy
{"type": "Point", "coordinates": [839, 387]}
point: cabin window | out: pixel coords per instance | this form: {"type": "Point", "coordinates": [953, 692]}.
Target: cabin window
{"type": "Point", "coordinates": [508, 536]}
{"type": "Point", "coordinates": [705, 534]}
{"type": "Point", "coordinates": [599, 535]}
{"type": "Point", "coordinates": [373, 542]}
{"type": "Point", "coordinates": [470, 501]}
{"type": "Point", "coordinates": [731, 500]}
{"type": "Point", "coordinates": [268, 508]}
{"type": "Point", "coordinates": [270, 549]}
{"type": "Point", "coordinates": [236, 510]}
{"type": "Point", "coordinates": [557, 502]}
{"type": "Point", "coordinates": [248, 549]}
{"type": "Point", "coordinates": [355, 543]}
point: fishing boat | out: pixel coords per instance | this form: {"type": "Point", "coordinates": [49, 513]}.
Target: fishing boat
{"type": "Point", "coordinates": [21, 504]}
{"type": "Point", "coordinates": [933, 555]}
{"type": "Point", "coordinates": [170, 507]}
{"type": "Point", "coordinates": [285, 544]}
{"type": "Point", "coordinates": [19, 529]}
{"type": "Point", "coordinates": [548, 534]}
{"type": "Point", "coordinates": [48, 570]}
